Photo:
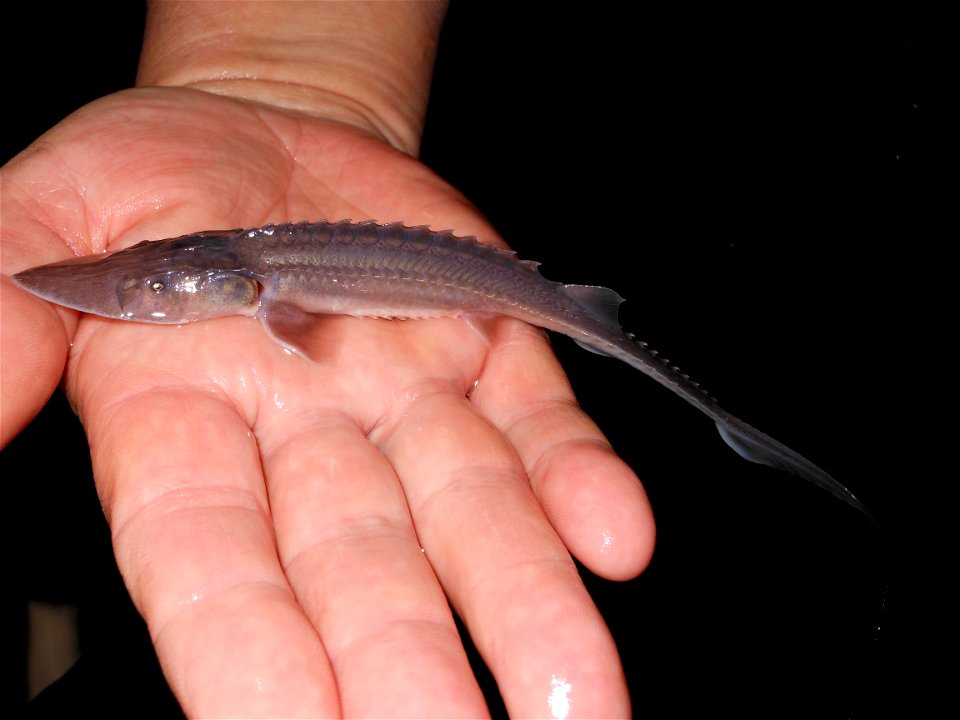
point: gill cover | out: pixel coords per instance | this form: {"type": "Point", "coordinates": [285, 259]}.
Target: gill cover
{"type": "Point", "coordinates": [179, 296]}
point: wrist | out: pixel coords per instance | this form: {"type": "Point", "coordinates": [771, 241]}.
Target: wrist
{"type": "Point", "coordinates": [365, 64]}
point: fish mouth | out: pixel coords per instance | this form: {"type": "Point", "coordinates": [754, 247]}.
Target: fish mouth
{"type": "Point", "coordinates": [86, 284]}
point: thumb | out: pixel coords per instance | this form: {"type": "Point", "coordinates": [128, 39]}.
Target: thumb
{"type": "Point", "coordinates": [34, 340]}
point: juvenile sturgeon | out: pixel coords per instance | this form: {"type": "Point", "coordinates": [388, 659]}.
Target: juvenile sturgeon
{"type": "Point", "coordinates": [283, 273]}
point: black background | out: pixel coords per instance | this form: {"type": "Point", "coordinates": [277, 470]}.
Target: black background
{"type": "Point", "coordinates": [765, 185]}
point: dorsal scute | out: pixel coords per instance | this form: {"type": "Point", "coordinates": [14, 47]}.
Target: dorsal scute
{"type": "Point", "coordinates": [420, 239]}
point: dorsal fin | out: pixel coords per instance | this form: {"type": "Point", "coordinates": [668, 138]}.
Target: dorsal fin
{"type": "Point", "coordinates": [603, 304]}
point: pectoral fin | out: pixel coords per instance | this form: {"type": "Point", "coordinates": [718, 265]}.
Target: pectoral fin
{"type": "Point", "coordinates": [289, 326]}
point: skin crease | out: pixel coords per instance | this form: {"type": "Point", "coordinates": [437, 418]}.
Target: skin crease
{"type": "Point", "coordinates": [267, 513]}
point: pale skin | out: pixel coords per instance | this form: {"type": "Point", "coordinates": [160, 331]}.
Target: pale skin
{"type": "Point", "coordinates": [295, 533]}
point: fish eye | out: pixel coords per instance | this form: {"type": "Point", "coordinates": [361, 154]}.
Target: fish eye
{"type": "Point", "coordinates": [158, 286]}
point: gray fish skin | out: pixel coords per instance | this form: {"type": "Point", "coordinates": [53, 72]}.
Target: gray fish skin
{"type": "Point", "coordinates": [283, 273]}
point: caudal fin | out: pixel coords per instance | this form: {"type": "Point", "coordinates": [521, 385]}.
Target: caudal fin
{"type": "Point", "coordinates": [755, 446]}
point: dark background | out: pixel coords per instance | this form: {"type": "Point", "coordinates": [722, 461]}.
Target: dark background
{"type": "Point", "coordinates": [766, 187]}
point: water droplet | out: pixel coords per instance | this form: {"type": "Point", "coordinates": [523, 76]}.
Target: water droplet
{"type": "Point", "coordinates": [559, 699]}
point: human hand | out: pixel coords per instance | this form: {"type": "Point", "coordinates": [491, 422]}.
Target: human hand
{"type": "Point", "coordinates": [293, 531]}
{"type": "Point", "coordinates": [268, 512]}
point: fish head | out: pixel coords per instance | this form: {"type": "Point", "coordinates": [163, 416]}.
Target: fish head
{"type": "Point", "coordinates": [158, 282]}
{"type": "Point", "coordinates": [180, 296]}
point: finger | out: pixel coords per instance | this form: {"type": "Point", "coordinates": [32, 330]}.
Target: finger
{"type": "Point", "coordinates": [594, 500]}
{"type": "Point", "coordinates": [178, 474]}
{"type": "Point", "coordinates": [34, 339]}
{"type": "Point", "coordinates": [34, 335]}
{"type": "Point", "coordinates": [502, 565]}
{"type": "Point", "coordinates": [348, 547]}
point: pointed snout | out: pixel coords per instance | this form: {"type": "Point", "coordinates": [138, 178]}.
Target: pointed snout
{"type": "Point", "coordinates": [86, 284]}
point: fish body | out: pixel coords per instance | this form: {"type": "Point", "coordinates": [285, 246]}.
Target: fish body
{"type": "Point", "coordinates": [283, 274]}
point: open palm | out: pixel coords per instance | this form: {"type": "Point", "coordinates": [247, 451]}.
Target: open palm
{"type": "Point", "coordinates": [295, 531]}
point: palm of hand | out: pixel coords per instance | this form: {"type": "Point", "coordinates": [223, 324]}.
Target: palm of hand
{"type": "Point", "coordinates": [292, 530]}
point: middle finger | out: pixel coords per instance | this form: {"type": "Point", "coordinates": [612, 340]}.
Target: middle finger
{"type": "Point", "coordinates": [349, 550]}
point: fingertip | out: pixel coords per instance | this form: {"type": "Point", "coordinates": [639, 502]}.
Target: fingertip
{"type": "Point", "coordinates": [600, 510]}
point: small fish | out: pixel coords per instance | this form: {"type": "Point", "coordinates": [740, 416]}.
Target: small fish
{"type": "Point", "coordinates": [283, 273]}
